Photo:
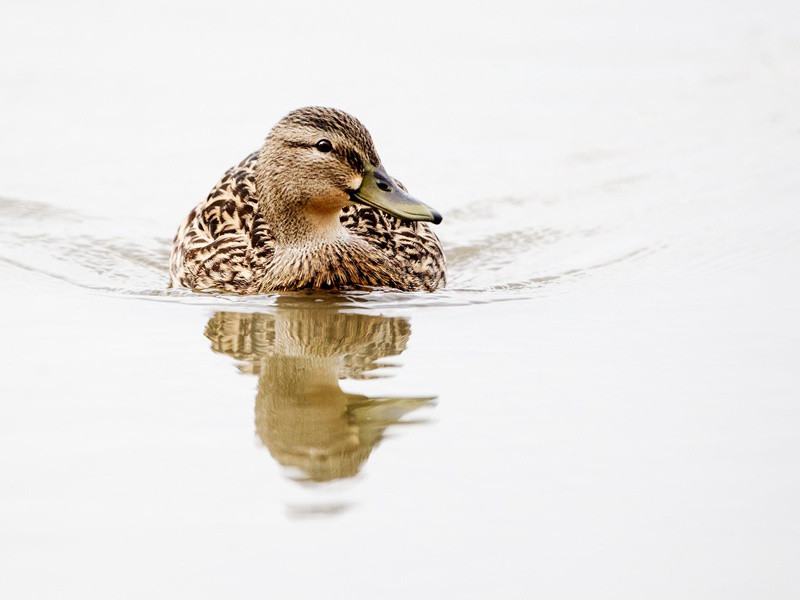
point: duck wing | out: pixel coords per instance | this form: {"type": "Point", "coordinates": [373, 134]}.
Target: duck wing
{"type": "Point", "coordinates": [224, 244]}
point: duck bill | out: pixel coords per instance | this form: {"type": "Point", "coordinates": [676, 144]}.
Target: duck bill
{"type": "Point", "coordinates": [380, 191]}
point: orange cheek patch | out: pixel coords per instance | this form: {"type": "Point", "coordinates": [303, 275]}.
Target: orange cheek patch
{"type": "Point", "coordinates": [331, 202]}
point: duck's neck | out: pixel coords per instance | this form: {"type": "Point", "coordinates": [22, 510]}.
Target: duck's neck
{"type": "Point", "coordinates": [291, 225]}
{"type": "Point", "coordinates": [293, 219]}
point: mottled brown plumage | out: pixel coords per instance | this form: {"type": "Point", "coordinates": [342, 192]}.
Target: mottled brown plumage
{"type": "Point", "coordinates": [286, 218]}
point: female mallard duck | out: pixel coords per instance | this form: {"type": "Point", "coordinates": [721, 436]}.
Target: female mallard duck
{"type": "Point", "coordinates": [313, 209]}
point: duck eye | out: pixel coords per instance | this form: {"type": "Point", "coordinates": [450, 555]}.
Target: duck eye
{"type": "Point", "coordinates": [323, 146]}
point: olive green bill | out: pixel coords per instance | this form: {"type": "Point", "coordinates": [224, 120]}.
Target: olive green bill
{"type": "Point", "coordinates": [380, 191]}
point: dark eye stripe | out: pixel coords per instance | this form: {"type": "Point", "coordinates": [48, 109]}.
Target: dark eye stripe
{"type": "Point", "coordinates": [348, 155]}
{"type": "Point", "coordinates": [292, 144]}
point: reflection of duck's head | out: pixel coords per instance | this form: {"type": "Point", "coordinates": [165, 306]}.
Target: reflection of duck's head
{"type": "Point", "coordinates": [302, 415]}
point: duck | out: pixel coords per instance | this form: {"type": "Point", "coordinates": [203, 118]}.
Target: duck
{"type": "Point", "coordinates": [313, 209]}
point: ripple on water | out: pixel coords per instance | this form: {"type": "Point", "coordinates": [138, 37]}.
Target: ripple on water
{"type": "Point", "coordinates": [508, 249]}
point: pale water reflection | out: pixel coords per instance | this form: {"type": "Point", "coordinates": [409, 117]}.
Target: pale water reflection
{"type": "Point", "coordinates": [300, 353]}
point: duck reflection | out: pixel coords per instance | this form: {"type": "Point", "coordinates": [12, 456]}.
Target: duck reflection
{"type": "Point", "coordinates": [300, 352]}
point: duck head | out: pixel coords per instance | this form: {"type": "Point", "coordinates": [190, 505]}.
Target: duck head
{"type": "Point", "coordinates": [316, 161]}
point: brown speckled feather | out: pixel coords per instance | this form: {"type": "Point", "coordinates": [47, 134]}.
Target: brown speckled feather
{"type": "Point", "coordinates": [225, 245]}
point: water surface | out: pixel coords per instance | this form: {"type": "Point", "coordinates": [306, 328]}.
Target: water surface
{"type": "Point", "coordinates": [601, 403]}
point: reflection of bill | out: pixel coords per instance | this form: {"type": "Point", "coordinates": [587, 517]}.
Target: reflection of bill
{"type": "Point", "coordinates": [299, 354]}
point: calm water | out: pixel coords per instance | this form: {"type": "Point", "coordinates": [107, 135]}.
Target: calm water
{"type": "Point", "coordinates": [603, 403]}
